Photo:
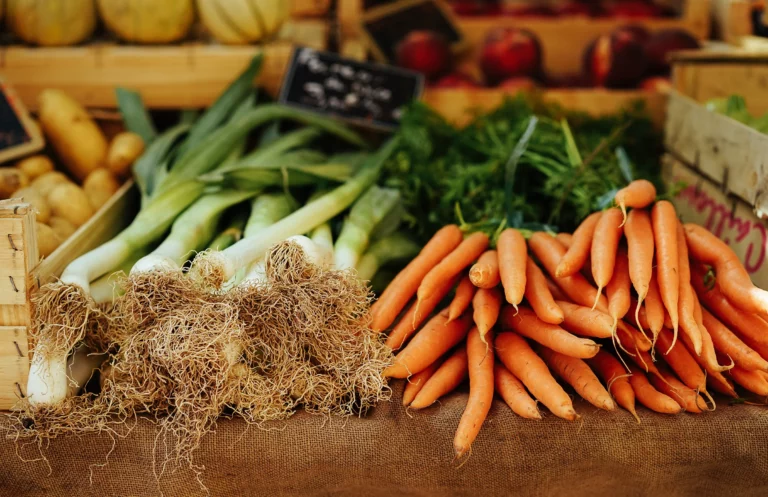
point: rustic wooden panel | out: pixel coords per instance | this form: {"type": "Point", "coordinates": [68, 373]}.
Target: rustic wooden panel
{"type": "Point", "coordinates": [14, 364]}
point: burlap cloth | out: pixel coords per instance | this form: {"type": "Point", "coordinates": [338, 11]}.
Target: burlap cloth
{"type": "Point", "coordinates": [389, 453]}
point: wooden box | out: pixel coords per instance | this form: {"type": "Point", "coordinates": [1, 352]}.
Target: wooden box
{"type": "Point", "coordinates": [22, 271]}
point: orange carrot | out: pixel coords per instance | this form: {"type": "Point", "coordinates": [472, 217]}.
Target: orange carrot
{"type": "Point", "coordinates": [485, 272]}
{"type": "Point", "coordinates": [415, 383]}
{"type": "Point", "coordinates": [486, 304]}
{"type": "Point", "coordinates": [616, 378]}
{"type": "Point", "coordinates": [640, 250]}
{"type": "Point", "coordinates": [514, 394]}
{"type": "Point", "coordinates": [639, 194]}
{"type": "Point", "coordinates": [522, 361]}
{"type": "Point", "coordinates": [708, 358]}
{"type": "Point", "coordinates": [576, 373]}
{"type": "Point", "coordinates": [581, 242]}
{"type": "Point", "coordinates": [454, 263]}
{"type": "Point", "coordinates": [732, 277]}
{"type": "Point", "coordinates": [686, 305]}
{"type": "Point", "coordinates": [654, 307]}
{"type": "Point", "coordinates": [480, 368]}
{"type": "Point", "coordinates": [731, 345]}
{"type": "Point", "coordinates": [565, 239]}
{"type": "Point", "coordinates": [682, 362]}
{"type": "Point", "coordinates": [539, 296]}
{"type": "Point", "coordinates": [556, 291]}
{"type": "Point", "coordinates": [751, 380]}
{"type": "Point", "coordinates": [585, 321]}
{"type": "Point", "coordinates": [550, 252]}
{"type": "Point", "coordinates": [649, 396]}
{"type": "Point", "coordinates": [640, 340]}
{"type": "Point", "coordinates": [685, 396]}
{"type": "Point", "coordinates": [720, 384]}
{"type": "Point", "coordinates": [404, 286]}
{"type": "Point", "coordinates": [445, 379]}
{"type": "Point", "coordinates": [551, 336]}
{"type": "Point", "coordinates": [664, 220]}
{"type": "Point", "coordinates": [464, 293]}
{"type": "Point", "coordinates": [415, 316]}
{"type": "Point", "coordinates": [513, 256]}
{"type": "Point", "coordinates": [605, 244]}
{"type": "Point", "coordinates": [435, 339]}
{"type": "Point", "coordinates": [617, 290]}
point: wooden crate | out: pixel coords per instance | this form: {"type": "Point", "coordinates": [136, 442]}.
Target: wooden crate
{"type": "Point", "coordinates": [22, 271]}
{"type": "Point", "coordinates": [189, 75]}
{"type": "Point", "coordinates": [310, 8]}
{"type": "Point", "coordinates": [732, 20]}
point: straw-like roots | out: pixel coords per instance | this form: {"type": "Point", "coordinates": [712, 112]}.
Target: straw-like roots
{"type": "Point", "coordinates": [62, 314]}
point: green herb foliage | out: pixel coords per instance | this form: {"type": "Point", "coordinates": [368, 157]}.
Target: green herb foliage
{"type": "Point", "coordinates": [571, 165]}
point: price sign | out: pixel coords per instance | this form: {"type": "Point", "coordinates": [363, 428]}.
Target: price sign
{"type": "Point", "coordinates": [364, 93]}
{"type": "Point", "coordinates": [18, 134]}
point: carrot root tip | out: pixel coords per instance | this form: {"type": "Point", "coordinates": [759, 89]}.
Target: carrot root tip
{"type": "Point", "coordinates": [597, 296]}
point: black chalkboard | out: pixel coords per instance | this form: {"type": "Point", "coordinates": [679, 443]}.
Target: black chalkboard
{"type": "Point", "coordinates": [369, 4]}
{"type": "Point", "coordinates": [17, 135]}
{"type": "Point", "coordinates": [367, 94]}
{"type": "Point", "coordinates": [386, 27]}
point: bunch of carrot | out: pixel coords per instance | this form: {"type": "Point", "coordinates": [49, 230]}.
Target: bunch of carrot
{"type": "Point", "coordinates": [641, 280]}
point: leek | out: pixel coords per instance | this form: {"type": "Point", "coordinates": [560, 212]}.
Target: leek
{"type": "Point", "coordinates": [232, 233]}
{"type": "Point", "coordinates": [266, 210]}
{"type": "Point", "coordinates": [381, 252]}
{"type": "Point", "coordinates": [322, 235]}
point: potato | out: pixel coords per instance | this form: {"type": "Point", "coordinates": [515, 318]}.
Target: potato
{"type": "Point", "coordinates": [35, 165]}
{"type": "Point", "coordinates": [48, 181]}
{"type": "Point", "coordinates": [77, 139]}
{"type": "Point", "coordinates": [100, 185]}
{"type": "Point", "coordinates": [11, 179]}
{"type": "Point", "coordinates": [47, 239]}
{"type": "Point", "coordinates": [69, 201]}
{"type": "Point", "coordinates": [125, 148]}
{"type": "Point", "coordinates": [62, 227]}
{"type": "Point", "coordinates": [38, 202]}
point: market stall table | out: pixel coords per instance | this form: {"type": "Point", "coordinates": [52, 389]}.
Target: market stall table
{"type": "Point", "coordinates": [394, 452]}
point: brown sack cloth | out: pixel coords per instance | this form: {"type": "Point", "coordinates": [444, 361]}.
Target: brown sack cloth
{"type": "Point", "coordinates": [392, 453]}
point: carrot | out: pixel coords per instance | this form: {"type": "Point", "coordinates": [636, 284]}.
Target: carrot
{"type": "Point", "coordinates": [617, 290]}
{"type": "Point", "coordinates": [664, 220]}
{"type": "Point", "coordinates": [480, 368]}
{"type": "Point", "coordinates": [720, 384]}
{"type": "Point", "coordinates": [584, 321]}
{"type": "Point", "coordinates": [551, 336]}
{"type": "Point", "coordinates": [485, 272]}
{"type": "Point", "coordinates": [550, 252]}
{"type": "Point", "coordinates": [752, 329]}
{"type": "Point", "coordinates": [513, 256]}
{"type": "Point", "coordinates": [649, 396]}
{"type": "Point", "coordinates": [404, 286]}
{"type": "Point", "coordinates": [731, 345]}
{"type": "Point", "coordinates": [486, 304]}
{"type": "Point", "coordinates": [581, 242]}
{"type": "Point", "coordinates": [639, 194]}
{"type": "Point", "coordinates": [415, 383]}
{"type": "Point", "coordinates": [556, 291]}
{"type": "Point", "coordinates": [576, 373]}
{"type": "Point", "coordinates": [685, 396]}
{"type": "Point", "coordinates": [640, 250]}
{"type": "Point", "coordinates": [654, 308]}
{"type": "Point", "coordinates": [686, 305]}
{"type": "Point", "coordinates": [640, 340]}
{"type": "Point", "coordinates": [522, 361]}
{"type": "Point", "coordinates": [461, 257]}
{"type": "Point", "coordinates": [682, 362]}
{"type": "Point", "coordinates": [461, 300]}
{"type": "Point", "coordinates": [751, 380]}
{"type": "Point", "coordinates": [605, 244]}
{"type": "Point", "coordinates": [435, 339]}
{"type": "Point", "coordinates": [514, 394]}
{"type": "Point", "coordinates": [613, 374]}
{"type": "Point", "coordinates": [565, 239]}
{"type": "Point", "coordinates": [732, 277]}
{"type": "Point", "coordinates": [539, 295]}
{"type": "Point", "coordinates": [415, 316]}
{"type": "Point", "coordinates": [448, 376]}
{"type": "Point", "coordinates": [708, 357]}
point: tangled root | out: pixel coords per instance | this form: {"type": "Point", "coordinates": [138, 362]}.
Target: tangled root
{"type": "Point", "coordinates": [62, 316]}
{"type": "Point", "coordinates": [208, 269]}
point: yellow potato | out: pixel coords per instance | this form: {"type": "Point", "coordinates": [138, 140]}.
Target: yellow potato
{"type": "Point", "coordinates": [62, 227]}
{"type": "Point", "coordinates": [69, 201]}
{"type": "Point", "coordinates": [47, 239]}
{"type": "Point", "coordinates": [35, 165]}
{"type": "Point", "coordinates": [123, 151]}
{"type": "Point", "coordinates": [11, 179]}
{"type": "Point", "coordinates": [48, 181]}
{"type": "Point", "coordinates": [42, 209]}
{"type": "Point", "coordinates": [100, 185]}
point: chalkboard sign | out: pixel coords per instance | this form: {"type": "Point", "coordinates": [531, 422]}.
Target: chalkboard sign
{"type": "Point", "coordinates": [367, 94]}
{"type": "Point", "coordinates": [369, 4]}
{"type": "Point", "coordinates": [386, 26]}
{"type": "Point", "coordinates": [18, 135]}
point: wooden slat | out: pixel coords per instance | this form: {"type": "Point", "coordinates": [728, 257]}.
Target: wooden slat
{"type": "Point", "coordinates": [14, 364]}
{"type": "Point", "coordinates": [733, 19]}
{"type": "Point", "coordinates": [309, 8]}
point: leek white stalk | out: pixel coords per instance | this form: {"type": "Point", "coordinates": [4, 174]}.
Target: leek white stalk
{"type": "Point", "coordinates": [322, 235]}
{"type": "Point", "coordinates": [191, 231]}
{"type": "Point", "coordinates": [389, 249]}
{"type": "Point", "coordinates": [369, 210]}
{"type": "Point", "coordinates": [105, 289]}
{"type": "Point", "coordinates": [47, 381]}
{"type": "Point", "coordinates": [266, 210]}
